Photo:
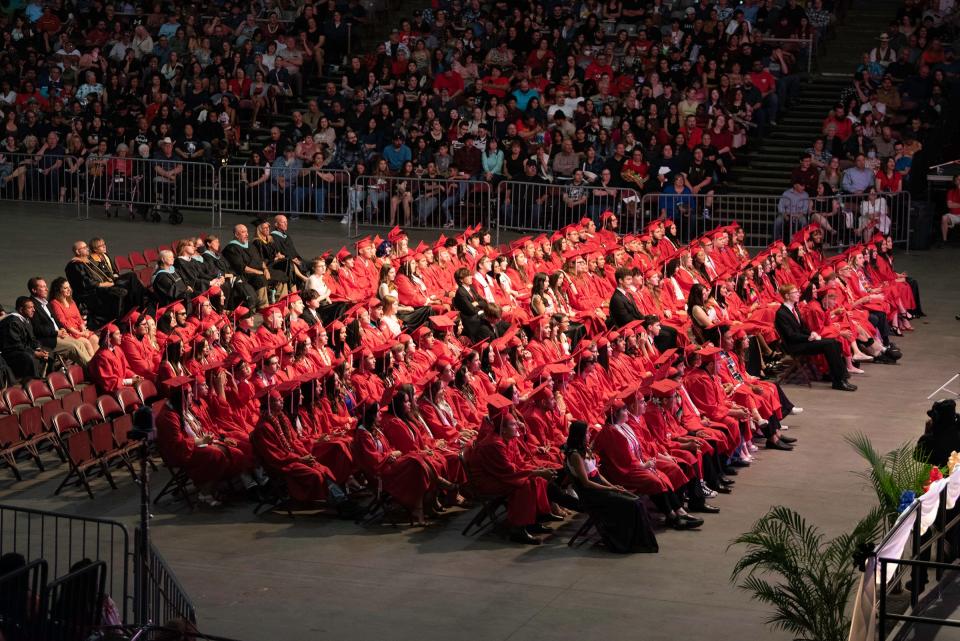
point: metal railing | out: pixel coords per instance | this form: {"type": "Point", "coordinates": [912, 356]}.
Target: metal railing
{"type": "Point", "coordinates": [923, 552]}
{"type": "Point", "coordinates": [419, 201]}
{"type": "Point", "coordinates": [297, 191]}
{"type": "Point", "coordinates": [542, 207]}
{"type": "Point", "coordinates": [41, 177]}
{"type": "Point", "coordinates": [20, 609]}
{"type": "Point", "coordinates": [152, 187]}
{"type": "Point", "coordinates": [801, 48]}
{"type": "Point", "coordinates": [62, 540]}
{"type": "Point", "coordinates": [165, 599]}
{"type": "Point", "coordinates": [847, 219]}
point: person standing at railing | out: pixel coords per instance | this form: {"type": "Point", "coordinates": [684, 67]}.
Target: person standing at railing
{"type": "Point", "coordinates": [792, 210]}
{"type": "Point", "coordinates": [50, 167]}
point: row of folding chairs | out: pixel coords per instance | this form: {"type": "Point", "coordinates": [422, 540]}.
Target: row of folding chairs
{"type": "Point", "coordinates": [37, 391]}
{"type": "Point", "coordinates": [138, 261]}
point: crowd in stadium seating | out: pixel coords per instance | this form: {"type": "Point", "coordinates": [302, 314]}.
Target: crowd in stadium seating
{"type": "Point", "coordinates": [477, 90]}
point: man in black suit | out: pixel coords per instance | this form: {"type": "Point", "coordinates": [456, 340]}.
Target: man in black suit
{"type": "Point", "coordinates": [18, 344]}
{"type": "Point", "coordinates": [48, 332]}
{"type": "Point", "coordinates": [622, 308]}
{"type": "Point", "coordinates": [797, 338]}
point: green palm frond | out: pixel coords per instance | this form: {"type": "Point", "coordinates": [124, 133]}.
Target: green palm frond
{"type": "Point", "coordinates": [903, 468]}
{"type": "Point", "coordinates": [805, 578]}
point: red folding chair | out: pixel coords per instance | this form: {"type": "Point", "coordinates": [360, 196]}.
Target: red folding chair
{"type": "Point", "coordinates": [151, 255]}
{"type": "Point", "coordinates": [121, 427]}
{"type": "Point", "coordinates": [145, 276]}
{"type": "Point", "coordinates": [77, 378]}
{"type": "Point", "coordinates": [108, 407]}
{"type": "Point", "coordinates": [11, 443]}
{"type": "Point", "coordinates": [38, 391]}
{"type": "Point", "coordinates": [35, 434]}
{"type": "Point", "coordinates": [148, 392]}
{"type": "Point", "coordinates": [16, 399]}
{"type": "Point", "coordinates": [122, 263]}
{"type": "Point", "coordinates": [75, 442]}
{"type": "Point", "coordinates": [87, 415]}
{"type": "Point", "coordinates": [59, 384]}
{"type": "Point", "coordinates": [101, 441]}
{"type": "Point", "coordinates": [49, 410]}
{"type": "Point", "coordinates": [88, 395]}
{"type": "Point", "coordinates": [137, 260]}
{"type": "Point", "coordinates": [71, 401]}
{"type": "Point", "coordinates": [129, 399]}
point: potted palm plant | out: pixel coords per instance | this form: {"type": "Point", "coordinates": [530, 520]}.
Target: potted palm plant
{"type": "Point", "coordinates": [891, 474]}
{"type": "Point", "coordinates": [806, 578]}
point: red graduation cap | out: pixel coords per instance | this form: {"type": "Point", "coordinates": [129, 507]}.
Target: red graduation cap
{"type": "Point", "coordinates": [665, 387]}
{"type": "Point", "coordinates": [498, 403]}
{"type": "Point", "coordinates": [710, 350]}
{"type": "Point", "coordinates": [665, 357]}
{"type": "Point", "coordinates": [441, 323]}
{"type": "Point", "coordinates": [395, 234]}
{"type": "Point", "coordinates": [364, 242]}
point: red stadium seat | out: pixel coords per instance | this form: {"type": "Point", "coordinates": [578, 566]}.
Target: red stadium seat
{"type": "Point", "coordinates": [145, 276]}
{"type": "Point", "coordinates": [71, 401]}
{"type": "Point", "coordinates": [137, 260]}
{"type": "Point", "coordinates": [38, 391]}
{"type": "Point", "coordinates": [77, 378]}
{"type": "Point", "coordinates": [51, 409]}
{"type": "Point", "coordinates": [151, 255]}
{"type": "Point", "coordinates": [11, 442]}
{"type": "Point", "coordinates": [16, 399]}
{"type": "Point", "coordinates": [89, 395]}
{"type": "Point", "coordinates": [59, 384]}
{"type": "Point", "coordinates": [109, 407]}
{"type": "Point", "coordinates": [148, 392]}
{"type": "Point", "coordinates": [129, 399]}
{"type": "Point", "coordinates": [123, 264]}
{"type": "Point", "coordinates": [87, 415]}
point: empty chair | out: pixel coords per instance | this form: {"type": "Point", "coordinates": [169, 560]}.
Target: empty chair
{"type": "Point", "coordinates": [148, 392]}
{"type": "Point", "coordinates": [75, 442]}
{"type": "Point", "coordinates": [59, 384]}
{"type": "Point", "coordinates": [122, 264]}
{"type": "Point", "coordinates": [87, 415]}
{"type": "Point", "coordinates": [11, 442]}
{"type": "Point", "coordinates": [101, 441]}
{"type": "Point", "coordinates": [49, 410]}
{"type": "Point", "coordinates": [38, 391]}
{"type": "Point", "coordinates": [151, 255]}
{"type": "Point", "coordinates": [89, 395]}
{"type": "Point", "coordinates": [137, 260]}
{"type": "Point", "coordinates": [77, 378]}
{"type": "Point", "coordinates": [108, 407]}
{"type": "Point", "coordinates": [71, 401]}
{"type": "Point", "coordinates": [16, 399]}
{"type": "Point", "coordinates": [129, 399]}
{"type": "Point", "coordinates": [36, 434]}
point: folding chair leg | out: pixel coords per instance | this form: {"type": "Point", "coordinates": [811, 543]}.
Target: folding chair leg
{"type": "Point", "coordinates": [11, 461]}
{"type": "Point", "coordinates": [86, 482]}
{"type": "Point", "coordinates": [105, 469]}
{"type": "Point", "coordinates": [582, 533]}
{"type": "Point", "coordinates": [64, 482]}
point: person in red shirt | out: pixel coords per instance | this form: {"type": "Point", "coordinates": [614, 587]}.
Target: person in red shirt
{"type": "Point", "coordinates": [952, 217]}
{"type": "Point", "coordinates": [451, 81]}
{"type": "Point", "coordinates": [766, 84]}
{"type": "Point", "coordinates": [496, 84]}
{"type": "Point", "coordinates": [598, 67]}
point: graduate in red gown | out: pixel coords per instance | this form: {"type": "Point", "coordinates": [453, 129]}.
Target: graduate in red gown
{"type": "Point", "coordinates": [496, 468]}
{"type": "Point", "coordinates": [407, 478]}
{"type": "Point", "coordinates": [184, 444]}
{"type": "Point", "coordinates": [108, 369]}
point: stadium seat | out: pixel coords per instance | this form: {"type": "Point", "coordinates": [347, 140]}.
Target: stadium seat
{"type": "Point", "coordinates": [151, 256]}
{"type": "Point", "coordinates": [71, 401]}
{"type": "Point", "coordinates": [137, 260]}
{"type": "Point", "coordinates": [77, 378]}
{"type": "Point", "coordinates": [129, 399]}
{"type": "Point", "coordinates": [89, 395]}
{"type": "Point", "coordinates": [123, 264]}
{"type": "Point", "coordinates": [59, 384]}
{"type": "Point", "coordinates": [16, 399]}
{"type": "Point", "coordinates": [109, 407]}
{"type": "Point", "coordinates": [148, 392]}
{"type": "Point", "coordinates": [145, 276]}
{"type": "Point", "coordinates": [87, 415]}
{"type": "Point", "coordinates": [38, 391]}
{"type": "Point", "coordinates": [49, 410]}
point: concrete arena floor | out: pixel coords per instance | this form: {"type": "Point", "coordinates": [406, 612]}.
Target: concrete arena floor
{"type": "Point", "coordinates": [269, 578]}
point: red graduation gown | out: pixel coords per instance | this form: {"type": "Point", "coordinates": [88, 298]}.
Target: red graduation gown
{"type": "Point", "coordinates": [496, 469]}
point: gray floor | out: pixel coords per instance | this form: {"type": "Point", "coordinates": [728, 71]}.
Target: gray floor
{"type": "Point", "coordinates": [269, 578]}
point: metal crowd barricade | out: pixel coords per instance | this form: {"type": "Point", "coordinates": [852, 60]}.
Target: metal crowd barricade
{"type": "Point", "coordinates": [165, 599]}
{"type": "Point", "coordinates": [308, 191]}
{"type": "Point", "coordinates": [543, 206]}
{"type": "Point", "coordinates": [152, 188]}
{"type": "Point", "coordinates": [419, 202]}
{"type": "Point", "coordinates": [766, 217]}
{"type": "Point", "coordinates": [21, 615]}
{"type": "Point", "coordinates": [62, 540]}
{"type": "Point", "coordinates": [41, 177]}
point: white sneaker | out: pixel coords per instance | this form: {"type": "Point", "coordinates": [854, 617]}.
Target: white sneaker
{"type": "Point", "coordinates": [784, 427]}
{"type": "Point", "coordinates": [796, 410]}
{"type": "Point", "coordinates": [854, 370]}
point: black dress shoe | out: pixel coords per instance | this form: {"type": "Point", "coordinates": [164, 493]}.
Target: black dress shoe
{"type": "Point", "coordinates": [894, 353]}
{"type": "Point", "coordinates": [522, 536]}
{"type": "Point", "coordinates": [739, 463]}
{"type": "Point", "coordinates": [777, 445]}
{"type": "Point", "coordinates": [730, 471]}
{"type": "Point", "coordinates": [724, 489]}
{"type": "Point", "coordinates": [538, 528]}
{"type": "Point", "coordinates": [845, 386]}
{"type": "Point", "coordinates": [688, 522]}
{"type": "Point", "coordinates": [789, 440]}
{"type": "Point", "coordinates": [725, 481]}
{"type": "Point", "coordinates": [550, 518]}
{"type": "Point", "coordinates": [704, 508]}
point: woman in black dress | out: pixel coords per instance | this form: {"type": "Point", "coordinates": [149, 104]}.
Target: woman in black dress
{"type": "Point", "coordinates": [620, 516]}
